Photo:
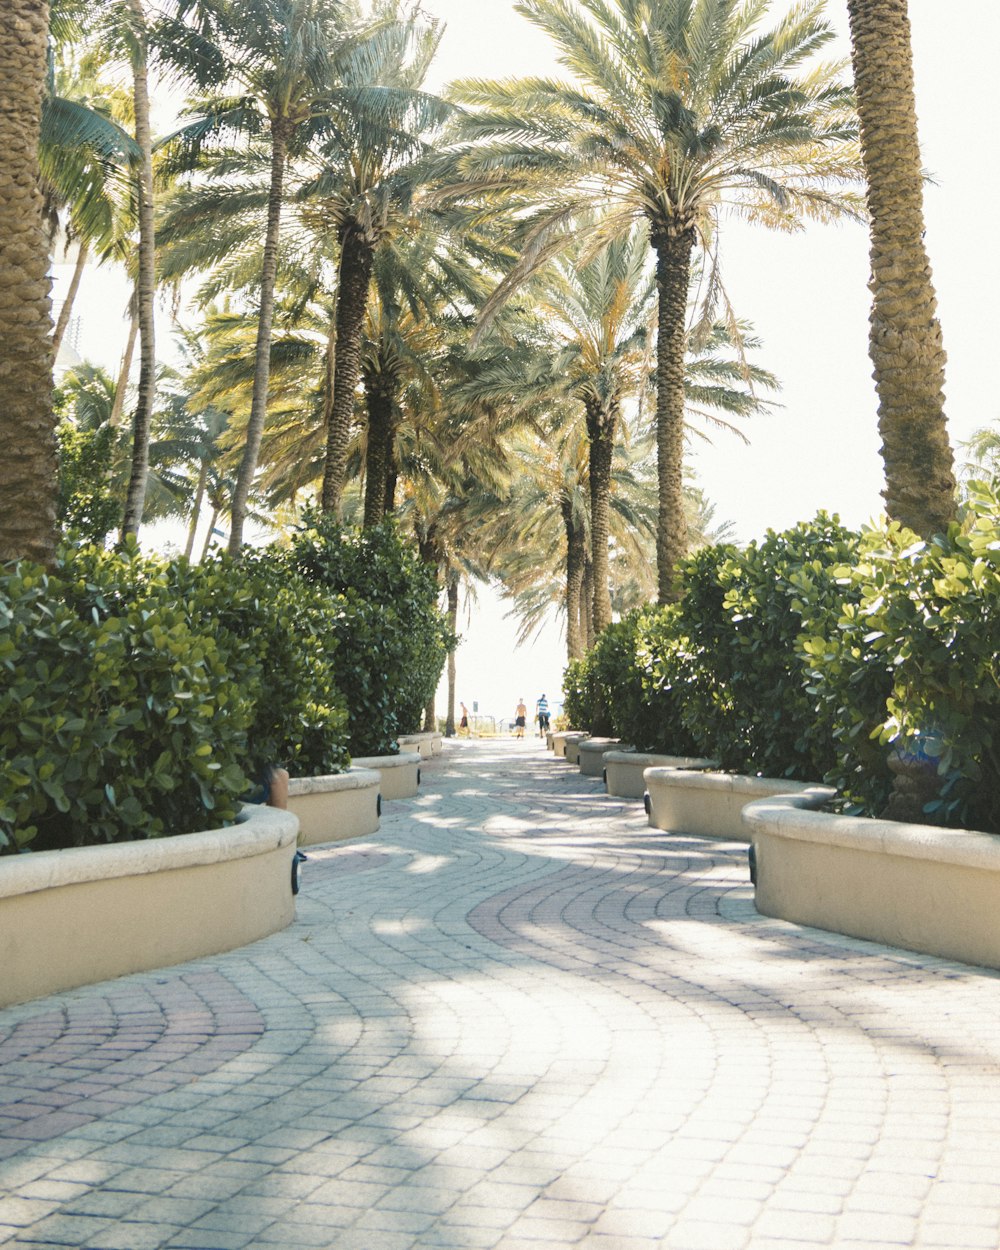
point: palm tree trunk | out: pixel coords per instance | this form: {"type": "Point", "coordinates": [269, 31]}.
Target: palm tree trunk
{"type": "Point", "coordinates": [199, 495]}
{"type": "Point", "coordinates": [601, 427]}
{"type": "Point", "coordinates": [27, 429]}
{"type": "Point", "coordinates": [673, 281]}
{"type": "Point", "coordinates": [391, 474]}
{"type": "Point", "coordinates": [906, 346]}
{"type": "Point", "coordinates": [146, 281]}
{"type": "Point", "coordinates": [356, 261]}
{"type": "Point", "coordinates": [576, 555]}
{"type": "Point", "coordinates": [380, 403]}
{"type": "Point", "coordinates": [587, 604]}
{"type": "Point", "coordinates": [123, 373]}
{"type": "Point", "coordinates": [449, 728]}
{"type": "Point", "coordinates": [83, 251]}
{"type": "Point", "coordinates": [211, 530]}
{"type": "Point", "coordinates": [430, 715]}
{"type": "Point", "coordinates": [280, 134]}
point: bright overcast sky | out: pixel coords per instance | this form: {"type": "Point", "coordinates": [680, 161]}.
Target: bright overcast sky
{"type": "Point", "coordinates": [806, 294]}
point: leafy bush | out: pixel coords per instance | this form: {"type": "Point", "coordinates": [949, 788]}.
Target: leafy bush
{"type": "Point", "coordinates": [912, 665]}
{"type": "Point", "coordinates": [119, 716]}
{"type": "Point", "coordinates": [646, 699]}
{"type": "Point", "coordinates": [391, 640]}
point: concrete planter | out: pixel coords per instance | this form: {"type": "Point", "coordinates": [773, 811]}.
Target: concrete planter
{"type": "Point", "coordinates": [548, 739]}
{"type": "Point", "coordinates": [572, 752]}
{"type": "Point", "coordinates": [708, 805]}
{"type": "Point", "coordinates": [919, 887]}
{"type": "Point", "coordinates": [623, 770]}
{"type": "Point", "coordinates": [337, 806]}
{"type": "Point", "coordinates": [560, 739]}
{"type": "Point", "coordinates": [590, 756]}
{"type": "Point", "coordinates": [85, 914]}
{"type": "Point", "coordinates": [427, 745]}
{"type": "Point", "coordinates": [400, 773]}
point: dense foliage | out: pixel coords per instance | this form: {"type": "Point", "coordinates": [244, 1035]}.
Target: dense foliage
{"type": "Point", "coordinates": [391, 640]}
{"type": "Point", "coordinates": [819, 652]}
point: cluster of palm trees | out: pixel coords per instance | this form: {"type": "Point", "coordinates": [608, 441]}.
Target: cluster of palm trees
{"type": "Point", "coordinates": [496, 311]}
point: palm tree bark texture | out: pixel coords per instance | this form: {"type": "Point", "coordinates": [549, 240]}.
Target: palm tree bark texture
{"type": "Point", "coordinates": [906, 345]}
{"type": "Point", "coordinates": [380, 402]}
{"type": "Point", "coordinates": [576, 555]}
{"type": "Point", "coordinates": [146, 280]}
{"type": "Point", "coordinates": [453, 626]}
{"type": "Point", "coordinates": [356, 260]}
{"type": "Point", "coordinates": [673, 281]}
{"type": "Point", "coordinates": [27, 431]}
{"type": "Point", "coordinates": [602, 424]}
{"type": "Point", "coordinates": [281, 132]}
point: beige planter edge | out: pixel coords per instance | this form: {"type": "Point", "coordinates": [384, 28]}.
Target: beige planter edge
{"type": "Point", "coordinates": [336, 807]}
{"type": "Point", "coordinates": [919, 887]}
{"type": "Point", "coordinates": [590, 755]}
{"type": "Point", "coordinates": [400, 773]}
{"type": "Point", "coordinates": [86, 914]}
{"type": "Point", "coordinates": [709, 804]}
{"type": "Point", "coordinates": [426, 744]}
{"type": "Point", "coordinates": [625, 770]}
{"type": "Point", "coordinates": [564, 736]}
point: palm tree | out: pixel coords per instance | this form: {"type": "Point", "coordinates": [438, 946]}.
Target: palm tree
{"type": "Point", "coordinates": [680, 109]}
{"type": "Point", "coordinates": [906, 345]}
{"type": "Point", "coordinates": [27, 431]}
{"type": "Point", "coordinates": [379, 123]}
{"type": "Point", "coordinates": [273, 66]}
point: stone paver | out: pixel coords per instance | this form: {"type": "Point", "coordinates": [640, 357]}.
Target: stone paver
{"type": "Point", "coordinates": [518, 1018]}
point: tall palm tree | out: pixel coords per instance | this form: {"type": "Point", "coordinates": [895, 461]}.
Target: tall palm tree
{"type": "Point", "coordinates": [272, 67]}
{"type": "Point", "coordinates": [906, 344]}
{"type": "Point", "coordinates": [379, 125]}
{"type": "Point", "coordinates": [679, 109]}
{"type": "Point", "coordinates": [27, 430]}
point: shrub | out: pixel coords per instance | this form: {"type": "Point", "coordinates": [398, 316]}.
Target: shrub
{"type": "Point", "coordinates": [391, 640]}
{"type": "Point", "coordinates": [119, 717]}
{"type": "Point", "coordinates": [647, 698]}
{"type": "Point", "coordinates": [913, 665]}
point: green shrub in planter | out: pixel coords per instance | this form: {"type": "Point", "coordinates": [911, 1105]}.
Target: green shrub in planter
{"type": "Point", "coordinates": [119, 717]}
{"type": "Point", "coordinates": [646, 697]}
{"type": "Point", "coordinates": [912, 665]}
{"type": "Point", "coordinates": [390, 638]}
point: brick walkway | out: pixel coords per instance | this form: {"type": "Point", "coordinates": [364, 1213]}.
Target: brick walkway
{"type": "Point", "coordinates": [517, 1018]}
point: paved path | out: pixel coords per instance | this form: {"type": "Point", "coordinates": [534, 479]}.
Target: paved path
{"type": "Point", "coordinates": [517, 1018]}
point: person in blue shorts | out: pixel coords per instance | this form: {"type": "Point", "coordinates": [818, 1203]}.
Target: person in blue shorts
{"type": "Point", "coordinates": [542, 716]}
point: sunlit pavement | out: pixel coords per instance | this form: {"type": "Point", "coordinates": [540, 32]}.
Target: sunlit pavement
{"type": "Point", "coordinates": [516, 1018]}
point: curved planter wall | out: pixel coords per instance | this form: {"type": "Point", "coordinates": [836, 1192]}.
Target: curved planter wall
{"type": "Point", "coordinates": [590, 755]}
{"type": "Point", "coordinates": [426, 745]}
{"type": "Point", "coordinates": [73, 917]}
{"type": "Point", "coordinates": [559, 740]}
{"type": "Point", "coordinates": [623, 770]}
{"type": "Point", "coordinates": [335, 807]}
{"type": "Point", "coordinates": [708, 805]}
{"type": "Point", "coordinates": [572, 751]}
{"type": "Point", "coordinates": [400, 773]}
{"type": "Point", "coordinates": [916, 886]}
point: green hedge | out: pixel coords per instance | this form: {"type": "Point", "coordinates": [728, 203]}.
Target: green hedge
{"type": "Point", "coordinates": [818, 652]}
{"type": "Point", "coordinates": [390, 638]}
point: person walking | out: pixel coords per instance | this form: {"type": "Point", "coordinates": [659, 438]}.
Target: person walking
{"type": "Point", "coordinates": [520, 718]}
{"type": "Point", "coordinates": [464, 722]}
{"type": "Point", "coordinates": [542, 716]}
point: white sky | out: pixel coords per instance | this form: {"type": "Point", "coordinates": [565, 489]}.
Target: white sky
{"type": "Point", "coordinates": [806, 294]}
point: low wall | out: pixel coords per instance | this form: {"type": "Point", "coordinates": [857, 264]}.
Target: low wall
{"type": "Point", "coordinates": [85, 914]}
{"type": "Point", "coordinates": [337, 806]}
{"type": "Point", "coordinates": [560, 739]}
{"type": "Point", "coordinates": [919, 887]}
{"type": "Point", "coordinates": [400, 773]}
{"type": "Point", "coordinates": [426, 745]}
{"type": "Point", "coordinates": [590, 755]}
{"type": "Point", "coordinates": [548, 739]}
{"type": "Point", "coordinates": [708, 805]}
{"type": "Point", "coordinates": [572, 751]}
{"type": "Point", "coordinates": [623, 770]}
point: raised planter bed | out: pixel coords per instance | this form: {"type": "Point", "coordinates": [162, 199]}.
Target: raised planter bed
{"type": "Point", "coordinates": [400, 773]}
{"type": "Point", "coordinates": [623, 770]}
{"type": "Point", "coordinates": [590, 756]}
{"type": "Point", "coordinates": [74, 917]}
{"type": "Point", "coordinates": [572, 751]}
{"type": "Point", "coordinates": [427, 745]}
{"type": "Point", "coordinates": [560, 739]}
{"type": "Point", "coordinates": [548, 739]}
{"type": "Point", "coordinates": [337, 806]}
{"type": "Point", "coordinates": [708, 805]}
{"type": "Point", "coordinates": [920, 887]}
